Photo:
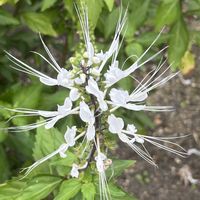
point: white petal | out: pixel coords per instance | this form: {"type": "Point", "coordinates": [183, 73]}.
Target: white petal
{"type": "Point", "coordinates": [135, 107]}
{"type": "Point", "coordinates": [86, 114]}
{"type": "Point", "coordinates": [74, 94]}
{"type": "Point", "coordinates": [66, 107]}
{"type": "Point", "coordinates": [100, 162]}
{"type": "Point", "coordinates": [141, 96]}
{"type": "Point", "coordinates": [64, 78]}
{"type": "Point", "coordinates": [123, 137]}
{"type": "Point", "coordinates": [90, 50]}
{"type": "Point", "coordinates": [119, 97]}
{"type": "Point", "coordinates": [49, 81]}
{"type": "Point", "coordinates": [62, 149]}
{"type": "Point", "coordinates": [47, 113]}
{"type": "Point", "coordinates": [70, 136]}
{"type": "Point", "coordinates": [116, 124]}
{"type": "Point", "coordinates": [92, 87]}
{"type": "Point", "coordinates": [52, 122]}
{"type": "Point", "coordinates": [103, 105]}
{"type": "Point", "coordinates": [90, 134]}
{"type": "Point", "coordinates": [131, 128]}
{"type": "Point", "coordinates": [74, 171]}
{"type": "Point", "coordinates": [139, 139]}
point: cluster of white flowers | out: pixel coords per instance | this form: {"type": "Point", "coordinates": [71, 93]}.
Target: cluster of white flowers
{"type": "Point", "coordinates": [93, 89]}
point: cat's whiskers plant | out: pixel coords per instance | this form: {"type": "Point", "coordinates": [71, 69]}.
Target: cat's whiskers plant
{"type": "Point", "coordinates": [97, 96]}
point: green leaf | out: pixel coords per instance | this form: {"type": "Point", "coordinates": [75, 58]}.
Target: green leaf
{"type": "Point", "coordinates": [68, 189]}
{"type": "Point", "coordinates": [178, 43]}
{"type": "Point", "coordinates": [4, 165]}
{"type": "Point", "coordinates": [39, 188]}
{"type": "Point", "coordinates": [46, 142]}
{"type": "Point", "coordinates": [22, 144]}
{"type": "Point", "coordinates": [7, 19]}
{"type": "Point", "coordinates": [118, 194]}
{"type": "Point", "coordinates": [134, 50]}
{"type": "Point", "coordinates": [68, 4]}
{"type": "Point", "coordinates": [139, 13]}
{"type": "Point", "coordinates": [109, 4]}
{"type": "Point", "coordinates": [147, 38]}
{"type": "Point", "coordinates": [27, 97]}
{"type": "Point", "coordinates": [39, 22]}
{"type": "Point", "coordinates": [118, 167]}
{"type": "Point", "coordinates": [11, 189]}
{"type": "Point", "coordinates": [88, 191]}
{"type": "Point", "coordinates": [47, 4]}
{"type": "Point", "coordinates": [167, 13]}
{"type": "Point", "coordinates": [49, 100]}
{"type": "Point", "coordinates": [146, 121]}
{"type": "Point", "coordinates": [109, 22]}
{"type": "Point", "coordinates": [68, 161]}
{"type": "Point", "coordinates": [94, 10]}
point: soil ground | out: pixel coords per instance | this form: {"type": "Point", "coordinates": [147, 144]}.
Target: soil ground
{"type": "Point", "coordinates": [169, 181]}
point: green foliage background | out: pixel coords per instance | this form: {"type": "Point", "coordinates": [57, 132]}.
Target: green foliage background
{"type": "Point", "coordinates": [20, 22]}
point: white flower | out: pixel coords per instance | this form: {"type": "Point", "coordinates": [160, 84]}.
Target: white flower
{"type": "Point", "coordinates": [119, 97]}
{"type": "Point", "coordinates": [90, 74]}
{"type": "Point", "coordinates": [62, 149]}
{"type": "Point", "coordinates": [74, 94]}
{"type": "Point", "coordinates": [80, 80]}
{"type": "Point", "coordinates": [54, 116]}
{"type": "Point", "coordinates": [74, 171]}
{"type": "Point", "coordinates": [100, 158]}
{"type": "Point", "coordinates": [87, 116]}
{"type": "Point", "coordinates": [113, 75]}
{"type": "Point", "coordinates": [116, 124]}
{"type": "Point", "coordinates": [51, 117]}
{"type": "Point", "coordinates": [64, 77]}
{"type": "Point", "coordinates": [92, 88]}
{"type": "Point", "coordinates": [70, 136]}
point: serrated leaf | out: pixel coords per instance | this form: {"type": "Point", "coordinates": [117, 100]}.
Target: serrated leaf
{"type": "Point", "coordinates": [118, 167]}
{"type": "Point", "coordinates": [187, 63]}
{"type": "Point", "coordinates": [88, 190]}
{"type": "Point", "coordinates": [27, 97]}
{"type": "Point", "coordinates": [68, 189]}
{"type": "Point", "coordinates": [46, 141]}
{"type": "Point", "coordinates": [68, 161]}
{"type": "Point", "coordinates": [178, 43]}
{"type": "Point", "coordinates": [109, 4]}
{"type": "Point", "coordinates": [47, 4]}
{"type": "Point", "coordinates": [7, 19]}
{"type": "Point", "coordinates": [167, 13]}
{"type": "Point", "coordinates": [39, 22]}
{"type": "Point", "coordinates": [11, 189]}
{"type": "Point", "coordinates": [39, 188]}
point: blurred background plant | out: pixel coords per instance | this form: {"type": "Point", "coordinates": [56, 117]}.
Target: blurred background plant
{"type": "Point", "coordinates": [20, 22]}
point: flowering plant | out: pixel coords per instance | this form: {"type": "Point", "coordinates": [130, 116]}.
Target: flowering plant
{"type": "Point", "coordinates": [94, 97]}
